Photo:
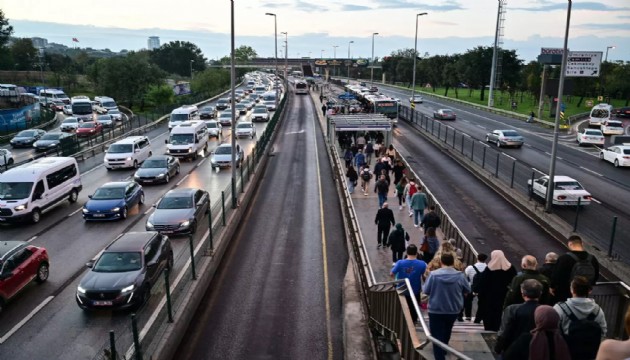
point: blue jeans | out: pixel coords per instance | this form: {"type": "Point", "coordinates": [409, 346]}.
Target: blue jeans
{"type": "Point", "coordinates": [417, 216]}
{"type": "Point", "coordinates": [382, 197]}
{"type": "Point", "coordinates": [441, 326]}
{"type": "Point", "coordinates": [350, 186]}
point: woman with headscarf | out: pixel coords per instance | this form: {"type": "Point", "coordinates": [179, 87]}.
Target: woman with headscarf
{"type": "Point", "coordinates": [397, 241]}
{"type": "Point", "coordinates": [545, 342]}
{"type": "Point", "coordinates": [492, 288]}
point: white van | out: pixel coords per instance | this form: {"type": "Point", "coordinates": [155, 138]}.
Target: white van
{"type": "Point", "coordinates": [31, 189]}
{"type": "Point", "coordinates": [49, 95]}
{"type": "Point", "coordinates": [187, 139]}
{"type": "Point", "coordinates": [102, 104]}
{"type": "Point", "coordinates": [181, 114]}
{"type": "Point", "coordinates": [128, 152]}
{"type": "Point", "coordinates": [600, 113]}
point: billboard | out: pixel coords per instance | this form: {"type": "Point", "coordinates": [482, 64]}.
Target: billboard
{"type": "Point", "coordinates": [584, 63]}
{"type": "Point", "coordinates": [182, 89]}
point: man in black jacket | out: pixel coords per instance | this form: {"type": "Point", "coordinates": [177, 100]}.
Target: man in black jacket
{"type": "Point", "coordinates": [519, 318]}
{"type": "Point", "coordinates": [576, 262]}
{"type": "Point", "coordinates": [384, 221]}
{"type": "Point", "coordinates": [430, 219]}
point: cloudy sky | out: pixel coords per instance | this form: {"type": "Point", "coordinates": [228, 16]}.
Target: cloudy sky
{"type": "Point", "coordinates": [451, 26]}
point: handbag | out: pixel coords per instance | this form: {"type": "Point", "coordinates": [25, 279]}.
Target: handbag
{"type": "Point", "coordinates": [425, 246]}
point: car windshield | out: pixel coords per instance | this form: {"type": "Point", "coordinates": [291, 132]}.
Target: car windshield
{"type": "Point", "coordinates": [626, 151]}
{"type": "Point", "coordinates": [182, 139]}
{"type": "Point", "coordinates": [226, 115]}
{"type": "Point", "coordinates": [568, 185]}
{"type": "Point", "coordinates": [179, 117]}
{"type": "Point", "coordinates": [15, 190]}
{"type": "Point", "coordinates": [510, 133]}
{"type": "Point", "coordinates": [104, 118]}
{"type": "Point", "coordinates": [109, 193]}
{"type": "Point", "coordinates": [109, 104]}
{"type": "Point", "coordinates": [87, 125]}
{"type": "Point", "coordinates": [614, 124]}
{"type": "Point", "coordinates": [154, 163]}
{"type": "Point", "coordinates": [118, 262]}
{"type": "Point", "coordinates": [206, 110]}
{"type": "Point", "coordinates": [70, 120]}
{"type": "Point", "coordinates": [51, 137]}
{"type": "Point", "coordinates": [211, 124]}
{"type": "Point", "coordinates": [222, 150]}
{"type": "Point", "coordinates": [593, 132]}
{"type": "Point", "coordinates": [26, 133]}
{"type": "Point", "coordinates": [115, 112]}
{"type": "Point", "coordinates": [120, 148]}
{"type": "Point", "coordinates": [447, 111]}
{"type": "Point", "coordinates": [260, 110]}
{"type": "Point", "coordinates": [222, 102]}
{"type": "Point", "coordinates": [175, 202]}
{"type": "Point", "coordinates": [599, 113]}
{"type": "Point", "coordinates": [244, 126]}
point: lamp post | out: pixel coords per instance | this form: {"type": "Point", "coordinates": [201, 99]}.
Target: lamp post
{"type": "Point", "coordinates": [322, 54]}
{"type": "Point", "coordinates": [286, 58]}
{"type": "Point", "coordinates": [275, 37]}
{"type": "Point", "coordinates": [554, 145]}
{"type": "Point", "coordinates": [372, 62]}
{"type": "Point", "coordinates": [335, 59]}
{"type": "Point", "coordinates": [608, 48]}
{"type": "Point", "coordinates": [415, 57]}
{"type": "Point", "coordinates": [232, 85]}
{"type": "Point", "coordinates": [349, 42]}
{"type": "Point", "coordinates": [191, 72]}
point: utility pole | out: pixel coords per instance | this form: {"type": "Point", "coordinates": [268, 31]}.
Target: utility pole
{"type": "Point", "coordinates": [495, 53]}
{"type": "Point", "coordinates": [372, 62]}
{"type": "Point", "coordinates": [415, 57]}
{"type": "Point", "coordinates": [232, 86]}
{"type": "Point", "coordinates": [335, 59]}
{"type": "Point", "coordinates": [349, 42]}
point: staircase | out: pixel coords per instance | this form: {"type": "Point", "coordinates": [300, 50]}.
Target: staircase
{"type": "Point", "coordinates": [307, 70]}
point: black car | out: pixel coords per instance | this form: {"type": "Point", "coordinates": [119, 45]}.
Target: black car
{"type": "Point", "coordinates": [207, 112]}
{"type": "Point", "coordinates": [124, 273]}
{"type": "Point", "coordinates": [223, 104]}
{"type": "Point", "coordinates": [623, 112]}
{"type": "Point", "coordinates": [156, 169]}
{"type": "Point", "coordinates": [26, 138]}
{"type": "Point", "coordinates": [179, 211]}
{"type": "Point", "coordinates": [51, 141]}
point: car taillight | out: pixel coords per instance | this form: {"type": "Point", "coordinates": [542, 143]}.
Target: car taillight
{"type": "Point", "coordinates": [587, 197]}
{"type": "Point", "coordinates": [561, 197]}
{"type": "Point", "coordinates": [626, 157]}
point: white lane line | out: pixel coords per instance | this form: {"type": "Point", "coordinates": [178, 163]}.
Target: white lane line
{"type": "Point", "coordinates": [481, 126]}
{"type": "Point", "coordinates": [547, 153]}
{"type": "Point", "coordinates": [74, 212]}
{"type": "Point", "coordinates": [26, 319]}
{"type": "Point", "coordinates": [597, 201]}
{"type": "Point", "coordinates": [148, 210]}
{"type": "Point", "coordinates": [559, 158]}
{"type": "Point", "coordinates": [466, 135]}
{"type": "Point", "coordinates": [591, 171]}
{"type": "Point", "coordinates": [508, 156]}
{"type": "Point", "coordinates": [201, 162]}
{"type": "Point", "coordinates": [31, 239]}
{"type": "Point", "coordinates": [182, 180]}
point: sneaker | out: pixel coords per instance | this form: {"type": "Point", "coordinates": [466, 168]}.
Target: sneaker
{"type": "Point", "coordinates": [365, 193]}
{"type": "Point", "coordinates": [400, 208]}
{"type": "Point", "coordinates": [378, 246]}
{"type": "Point", "coordinates": [414, 225]}
{"type": "Point", "coordinates": [393, 264]}
{"type": "Point", "coordinates": [410, 214]}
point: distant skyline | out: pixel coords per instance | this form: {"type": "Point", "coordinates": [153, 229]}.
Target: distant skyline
{"type": "Point", "coordinates": [452, 26]}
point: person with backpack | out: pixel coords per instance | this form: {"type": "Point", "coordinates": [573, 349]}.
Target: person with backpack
{"type": "Point", "coordinates": [418, 204]}
{"type": "Point", "coordinates": [576, 262]}
{"type": "Point", "coordinates": [582, 321]}
{"type": "Point", "coordinates": [408, 192]}
{"type": "Point", "coordinates": [400, 190]}
{"type": "Point", "coordinates": [381, 188]}
{"type": "Point", "coordinates": [429, 245]}
{"type": "Point", "coordinates": [471, 272]}
{"type": "Point", "coordinates": [519, 318]}
{"type": "Point", "coordinates": [369, 151]}
{"type": "Point", "coordinates": [366, 176]}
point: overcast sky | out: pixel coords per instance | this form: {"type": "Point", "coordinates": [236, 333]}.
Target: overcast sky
{"type": "Point", "coordinates": [451, 26]}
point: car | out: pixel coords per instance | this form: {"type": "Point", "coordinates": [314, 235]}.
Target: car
{"type": "Point", "coordinates": [56, 105]}
{"type": "Point", "coordinates": [623, 112]}
{"type": "Point", "coordinates": [612, 127]}
{"type": "Point", "coordinates": [239, 93]}
{"type": "Point", "coordinates": [225, 118]}
{"type": "Point", "coordinates": [259, 113]}
{"type": "Point", "coordinates": [444, 114]}
{"type": "Point", "coordinates": [179, 211]}
{"type": "Point", "coordinates": [248, 104]}
{"type": "Point", "coordinates": [242, 109]}
{"type": "Point", "coordinates": [222, 156]}
{"type": "Point", "coordinates": [105, 120]}
{"type": "Point", "coordinates": [619, 155]}
{"type": "Point", "coordinates": [567, 191]}
{"type": "Point", "coordinates": [215, 129]}
{"type": "Point", "coordinates": [416, 99]}
{"type": "Point", "coordinates": [115, 114]}
{"type": "Point", "coordinates": [50, 141]}
{"type": "Point", "coordinates": [270, 104]}
{"type": "Point", "coordinates": [124, 273]}
{"type": "Point", "coordinates": [223, 104]}
{"type": "Point", "coordinates": [505, 138]}
{"type": "Point", "coordinates": [373, 89]}
{"type": "Point", "coordinates": [89, 128]}
{"type": "Point", "coordinates": [67, 109]}
{"type": "Point", "coordinates": [157, 168]}
{"type": "Point", "coordinates": [588, 136]}
{"type": "Point", "coordinates": [20, 263]}
{"type": "Point", "coordinates": [6, 157]}
{"type": "Point", "coordinates": [207, 112]}
{"type": "Point", "coordinates": [113, 200]}
{"type": "Point", "coordinates": [245, 129]}
{"type": "Point", "coordinates": [70, 124]}
{"type": "Point", "coordinates": [26, 138]}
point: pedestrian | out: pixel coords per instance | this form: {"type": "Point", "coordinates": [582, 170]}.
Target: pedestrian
{"type": "Point", "coordinates": [575, 262]}
{"type": "Point", "coordinates": [323, 108]}
{"type": "Point", "coordinates": [471, 272]}
{"type": "Point", "coordinates": [391, 153]}
{"type": "Point", "coordinates": [381, 188]}
{"type": "Point", "coordinates": [429, 245]}
{"type": "Point", "coordinates": [531, 117]}
{"type": "Point", "coordinates": [544, 342]}
{"type": "Point", "coordinates": [418, 204]}
{"type": "Point", "coordinates": [519, 318]}
{"type": "Point", "coordinates": [551, 258]}
{"type": "Point", "coordinates": [348, 156]}
{"type": "Point", "coordinates": [321, 98]}
{"type": "Point", "coordinates": [366, 176]}
{"type": "Point", "coordinates": [359, 159]}
{"type": "Point", "coordinates": [616, 349]}
{"type": "Point", "coordinates": [400, 190]}
{"type": "Point", "coordinates": [528, 266]}
{"type": "Point", "coordinates": [361, 142]}
{"type": "Point", "coordinates": [378, 166]}
{"type": "Point", "coordinates": [410, 268]}
{"type": "Point", "coordinates": [444, 248]}
{"type": "Point", "coordinates": [369, 151]}
{"type": "Point", "coordinates": [386, 163]}
{"type": "Point", "coordinates": [410, 189]}
{"type": "Point", "coordinates": [431, 219]}
{"type": "Point", "coordinates": [493, 286]}
{"type": "Point", "coordinates": [352, 176]}
{"type": "Point", "coordinates": [445, 288]}
{"type": "Point", "coordinates": [582, 321]}
{"type": "Point", "coordinates": [397, 242]}
{"type": "Point", "coordinates": [458, 251]}
{"type": "Point", "coordinates": [384, 220]}
{"type": "Point", "coordinates": [377, 149]}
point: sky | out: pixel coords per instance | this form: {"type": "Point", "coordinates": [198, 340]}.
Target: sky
{"type": "Point", "coordinates": [314, 28]}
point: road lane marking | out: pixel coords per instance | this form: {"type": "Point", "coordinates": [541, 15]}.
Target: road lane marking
{"type": "Point", "coordinates": [182, 180]}
{"type": "Point", "coordinates": [26, 319]}
{"type": "Point", "coordinates": [508, 156]}
{"type": "Point", "coordinates": [74, 212]}
{"type": "Point", "coordinates": [597, 201]}
{"type": "Point", "coordinates": [31, 239]}
{"type": "Point", "coordinates": [591, 171]}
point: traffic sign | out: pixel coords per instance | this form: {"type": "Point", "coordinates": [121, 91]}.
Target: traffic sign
{"type": "Point", "coordinates": [589, 103]}
{"type": "Point", "coordinates": [413, 106]}
{"type": "Point", "coordinates": [347, 96]}
{"type": "Point", "coordinates": [583, 63]}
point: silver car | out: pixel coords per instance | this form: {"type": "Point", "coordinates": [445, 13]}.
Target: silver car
{"type": "Point", "coordinates": [222, 156]}
{"type": "Point", "coordinates": [105, 120]}
{"type": "Point", "coordinates": [179, 211]}
{"type": "Point", "coordinates": [505, 138]}
{"type": "Point", "coordinates": [215, 129]}
{"type": "Point", "coordinates": [444, 114]}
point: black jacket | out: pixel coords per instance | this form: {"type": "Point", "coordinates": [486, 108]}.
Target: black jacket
{"type": "Point", "coordinates": [561, 276]}
{"type": "Point", "coordinates": [517, 319]}
{"type": "Point", "coordinates": [384, 217]}
{"type": "Point", "coordinates": [547, 269]}
{"type": "Point", "coordinates": [397, 239]}
{"type": "Point", "coordinates": [431, 219]}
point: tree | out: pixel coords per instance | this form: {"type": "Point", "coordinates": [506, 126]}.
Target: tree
{"type": "Point", "coordinates": [160, 95]}
{"type": "Point", "coordinates": [175, 58]}
{"type": "Point", "coordinates": [211, 81]}
{"type": "Point", "coordinates": [6, 30]}
{"type": "Point", "coordinates": [244, 54]}
{"type": "Point", "coordinates": [450, 75]}
{"type": "Point", "coordinates": [24, 54]}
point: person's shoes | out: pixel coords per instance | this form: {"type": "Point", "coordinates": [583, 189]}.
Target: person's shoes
{"type": "Point", "coordinates": [378, 246]}
{"type": "Point", "coordinates": [477, 321]}
{"type": "Point", "coordinates": [410, 214]}
{"type": "Point", "coordinates": [414, 225]}
{"type": "Point", "coordinates": [460, 319]}
{"type": "Point", "coordinates": [393, 264]}
{"type": "Point", "coordinates": [365, 193]}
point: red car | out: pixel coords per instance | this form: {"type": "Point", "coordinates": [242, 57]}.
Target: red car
{"type": "Point", "coordinates": [20, 263]}
{"type": "Point", "coordinates": [56, 105]}
{"type": "Point", "coordinates": [89, 128]}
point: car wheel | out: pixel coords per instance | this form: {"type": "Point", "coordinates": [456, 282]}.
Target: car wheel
{"type": "Point", "coordinates": [36, 215]}
{"type": "Point", "coordinates": [601, 156]}
{"type": "Point", "coordinates": [42, 273]}
{"type": "Point", "coordinates": [193, 228]}
{"type": "Point", "coordinates": [616, 163]}
{"type": "Point", "coordinates": [143, 296]}
{"type": "Point", "coordinates": [10, 162]}
{"type": "Point", "coordinates": [124, 213]}
{"type": "Point", "coordinates": [141, 200]}
{"type": "Point", "coordinates": [499, 143]}
{"type": "Point", "coordinates": [135, 164]}
{"type": "Point", "coordinates": [487, 139]}
{"type": "Point", "coordinates": [73, 196]}
{"type": "Point", "coordinates": [150, 153]}
{"type": "Point", "coordinates": [177, 171]}
{"type": "Point", "coordinates": [167, 178]}
{"type": "Point", "coordinates": [1, 305]}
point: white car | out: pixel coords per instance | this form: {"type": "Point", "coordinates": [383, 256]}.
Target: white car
{"type": "Point", "coordinates": [222, 156]}
{"type": "Point", "coordinates": [416, 99]}
{"type": "Point", "coordinates": [245, 129]}
{"type": "Point", "coordinates": [67, 109]}
{"type": "Point", "coordinates": [215, 129]}
{"type": "Point", "coordinates": [567, 191]}
{"type": "Point", "coordinates": [6, 158]}
{"type": "Point", "coordinates": [619, 155]}
{"type": "Point", "coordinates": [115, 114]}
{"type": "Point", "coordinates": [612, 127]}
{"type": "Point", "coordinates": [260, 113]}
{"type": "Point", "coordinates": [590, 136]}
{"type": "Point", "coordinates": [70, 124]}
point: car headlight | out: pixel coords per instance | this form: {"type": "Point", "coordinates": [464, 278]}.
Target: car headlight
{"type": "Point", "coordinates": [136, 176]}
{"type": "Point", "coordinates": [52, 145]}
{"type": "Point", "coordinates": [80, 290]}
{"type": "Point", "coordinates": [20, 207]}
{"type": "Point", "coordinates": [128, 288]}
{"type": "Point", "coordinates": [184, 224]}
{"type": "Point", "coordinates": [212, 160]}
{"type": "Point", "coordinates": [161, 175]}
{"type": "Point", "coordinates": [116, 209]}
{"type": "Point", "coordinates": [190, 149]}
{"type": "Point", "coordinates": [128, 159]}
{"type": "Point", "coordinates": [149, 225]}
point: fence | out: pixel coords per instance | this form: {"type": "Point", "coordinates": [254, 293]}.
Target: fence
{"type": "Point", "coordinates": [46, 118]}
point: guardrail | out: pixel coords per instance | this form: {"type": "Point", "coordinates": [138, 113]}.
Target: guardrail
{"type": "Point", "coordinates": [47, 118]}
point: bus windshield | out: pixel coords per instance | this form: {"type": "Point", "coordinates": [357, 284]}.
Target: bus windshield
{"type": "Point", "coordinates": [82, 109]}
{"type": "Point", "coordinates": [599, 113]}
{"type": "Point", "coordinates": [182, 139]}
{"type": "Point", "coordinates": [179, 117]}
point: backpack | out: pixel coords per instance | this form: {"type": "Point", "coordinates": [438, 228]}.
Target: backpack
{"type": "Point", "coordinates": [476, 280]}
{"type": "Point", "coordinates": [412, 190]}
{"type": "Point", "coordinates": [365, 175]}
{"type": "Point", "coordinates": [584, 335]}
{"type": "Point", "coordinates": [583, 267]}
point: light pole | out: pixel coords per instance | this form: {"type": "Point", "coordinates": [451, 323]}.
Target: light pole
{"type": "Point", "coordinates": [349, 42]}
{"type": "Point", "coordinates": [191, 73]}
{"type": "Point", "coordinates": [232, 85]}
{"type": "Point", "coordinates": [322, 54]}
{"type": "Point", "coordinates": [608, 48]}
{"type": "Point", "coordinates": [335, 59]}
{"type": "Point", "coordinates": [372, 62]}
{"type": "Point", "coordinates": [309, 54]}
{"type": "Point", "coordinates": [415, 57]}
{"type": "Point", "coordinates": [554, 145]}
{"type": "Point", "coordinates": [275, 36]}
{"type": "Point", "coordinates": [286, 58]}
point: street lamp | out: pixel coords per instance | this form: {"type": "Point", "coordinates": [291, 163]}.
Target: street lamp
{"type": "Point", "coordinates": [322, 54]}
{"type": "Point", "coordinates": [554, 145]}
{"type": "Point", "coordinates": [191, 73]}
{"type": "Point", "coordinates": [275, 32]}
{"type": "Point", "coordinates": [335, 59]}
{"type": "Point", "coordinates": [372, 62]}
{"type": "Point", "coordinates": [415, 57]}
{"type": "Point", "coordinates": [608, 48]}
{"type": "Point", "coordinates": [286, 58]}
{"type": "Point", "coordinates": [349, 42]}
{"type": "Point", "coordinates": [233, 96]}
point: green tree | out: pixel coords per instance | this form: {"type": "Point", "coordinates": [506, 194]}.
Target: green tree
{"type": "Point", "coordinates": [244, 54]}
{"type": "Point", "coordinates": [24, 54]}
{"type": "Point", "coordinates": [450, 74]}
{"type": "Point", "coordinates": [175, 58]}
{"type": "Point", "coordinates": [6, 30]}
{"type": "Point", "coordinates": [211, 81]}
{"type": "Point", "coordinates": [160, 95]}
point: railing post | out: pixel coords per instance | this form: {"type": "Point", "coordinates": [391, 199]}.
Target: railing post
{"type": "Point", "coordinates": [192, 256]}
{"type": "Point", "coordinates": [612, 236]}
{"type": "Point", "coordinates": [112, 345]}
{"type": "Point", "coordinates": [167, 288]}
{"type": "Point", "coordinates": [530, 189]}
{"type": "Point", "coordinates": [432, 126]}
{"type": "Point", "coordinates": [483, 159]}
{"type": "Point", "coordinates": [577, 213]}
{"type": "Point", "coordinates": [242, 180]}
{"type": "Point", "coordinates": [513, 171]}
{"type": "Point", "coordinates": [472, 151]}
{"type": "Point", "coordinates": [233, 192]}
{"type": "Point", "coordinates": [439, 130]}
{"type": "Point", "coordinates": [223, 206]}
{"type": "Point", "coordinates": [454, 136]}
{"type": "Point", "coordinates": [210, 232]}
{"type": "Point", "coordinates": [136, 338]}
{"type": "Point", "coordinates": [496, 172]}
{"type": "Point", "coordinates": [463, 137]}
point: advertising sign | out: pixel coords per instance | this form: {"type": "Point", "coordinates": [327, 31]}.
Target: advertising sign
{"type": "Point", "coordinates": [584, 63]}
{"type": "Point", "coordinates": [182, 89]}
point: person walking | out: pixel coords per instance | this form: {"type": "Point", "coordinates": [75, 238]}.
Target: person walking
{"type": "Point", "coordinates": [445, 248]}
{"type": "Point", "coordinates": [384, 220]}
{"type": "Point", "coordinates": [377, 149]}
{"type": "Point", "coordinates": [445, 288]}
{"type": "Point", "coordinates": [418, 204]}
{"type": "Point", "coordinates": [359, 159]}
{"type": "Point", "coordinates": [493, 286]}
{"type": "Point", "coordinates": [410, 189]}
{"type": "Point", "coordinates": [551, 258]}
{"type": "Point", "coordinates": [398, 170]}
{"type": "Point", "coordinates": [528, 265]}
{"type": "Point", "coordinates": [544, 342]}
{"type": "Point", "coordinates": [519, 318]}
{"type": "Point", "coordinates": [324, 110]}
{"type": "Point", "coordinates": [410, 268]}
{"type": "Point", "coordinates": [348, 156]}
{"type": "Point", "coordinates": [352, 176]}
{"type": "Point", "coordinates": [429, 245]}
{"type": "Point", "coordinates": [575, 262]}
{"type": "Point", "coordinates": [361, 142]}
{"type": "Point", "coordinates": [616, 349]}
{"type": "Point", "coordinates": [396, 241]}
{"type": "Point", "coordinates": [369, 151]}
{"type": "Point", "coordinates": [391, 153]}
{"type": "Point", "coordinates": [378, 166]}
{"type": "Point", "coordinates": [471, 272]}
{"type": "Point", "coordinates": [400, 192]}
{"type": "Point", "coordinates": [381, 188]}
{"type": "Point", "coordinates": [431, 219]}
{"type": "Point", "coordinates": [366, 176]}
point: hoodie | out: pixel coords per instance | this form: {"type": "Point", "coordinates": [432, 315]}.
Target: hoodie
{"type": "Point", "coordinates": [445, 287]}
{"type": "Point", "coordinates": [581, 307]}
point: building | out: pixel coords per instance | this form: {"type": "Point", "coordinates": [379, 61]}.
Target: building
{"type": "Point", "coordinates": [153, 42]}
{"type": "Point", "coordinates": [39, 43]}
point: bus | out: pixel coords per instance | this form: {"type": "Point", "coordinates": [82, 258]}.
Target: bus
{"type": "Point", "coordinates": [81, 108]}
{"type": "Point", "coordinates": [296, 73]}
{"type": "Point", "coordinates": [301, 87]}
{"type": "Point", "coordinates": [600, 114]}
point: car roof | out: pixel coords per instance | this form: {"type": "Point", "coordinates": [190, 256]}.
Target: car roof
{"type": "Point", "coordinates": [115, 184]}
{"type": "Point", "coordinates": [7, 246]}
{"type": "Point", "coordinates": [131, 241]}
{"type": "Point", "coordinates": [180, 192]}
{"type": "Point", "coordinates": [129, 140]}
{"type": "Point", "coordinates": [159, 157]}
{"type": "Point", "coordinates": [563, 178]}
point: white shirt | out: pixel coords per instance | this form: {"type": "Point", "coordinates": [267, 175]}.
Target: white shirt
{"type": "Point", "coordinates": [470, 272]}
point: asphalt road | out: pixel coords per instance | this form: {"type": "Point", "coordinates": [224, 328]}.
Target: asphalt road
{"type": "Point", "coordinates": [277, 293]}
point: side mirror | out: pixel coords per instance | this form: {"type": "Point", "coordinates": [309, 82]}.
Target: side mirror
{"type": "Point", "coordinates": [166, 141]}
{"type": "Point", "coordinates": [154, 205]}
{"type": "Point", "coordinates": [137, 150]}
{"type": "Point", "coordinates": [89, 196]}
{"type": "Point", "coordinates": [90, 264]}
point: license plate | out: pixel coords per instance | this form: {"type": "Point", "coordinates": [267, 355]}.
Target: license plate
{"type": "Point", "coordinates": [147, 181]}
{"type": "Point", "coordinates": [99, 215]}
{"type": "Point", "coordinates": [102, 303]}
{"type": "Point", "coordinates": [166, 232]}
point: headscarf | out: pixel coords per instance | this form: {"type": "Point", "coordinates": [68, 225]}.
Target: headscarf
{"type": "Point", "coordinates": [547, 319]}
{"type": "Point", "coordinates": [399, 227]}
{"type": "Point", "coordinates": [498, 261]}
